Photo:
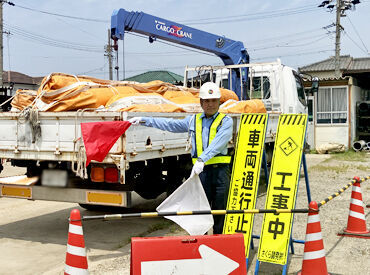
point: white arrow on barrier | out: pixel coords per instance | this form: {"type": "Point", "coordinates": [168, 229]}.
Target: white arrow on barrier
{"type": "Point", "coordinates": [212, 262]}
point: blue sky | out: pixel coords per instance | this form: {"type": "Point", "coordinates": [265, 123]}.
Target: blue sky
{"type": "Point", "coordinates": [291, 30]}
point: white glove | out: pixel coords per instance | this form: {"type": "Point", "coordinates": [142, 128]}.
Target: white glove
{"type": "Point", "coordinates": [135, 120]}
{"type": "Point", "coordinates": [197, 168]}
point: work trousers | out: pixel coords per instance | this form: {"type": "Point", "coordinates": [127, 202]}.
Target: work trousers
{"type": "Point", "coordinates": [215, 179]}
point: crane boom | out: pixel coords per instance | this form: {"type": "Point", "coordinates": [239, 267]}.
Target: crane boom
{"type": "Point", "coordinates": [230, 51]}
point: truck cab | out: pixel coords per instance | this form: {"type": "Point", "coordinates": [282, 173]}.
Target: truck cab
{"type": "Point", "coordinates": [278, 86]}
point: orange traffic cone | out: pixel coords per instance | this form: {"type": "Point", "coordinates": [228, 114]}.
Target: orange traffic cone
{"type": "Point", "coordinates": [76, 260]}
{"type": "Point", "coordinates": [356, 225]}
{"type": "Point", "coordinates": [314, 261]}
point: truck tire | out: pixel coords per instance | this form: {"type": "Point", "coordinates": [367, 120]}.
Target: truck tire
{"type": "Point", "coordinates": [148, 180]}
{"type": "Point", "coordinates": [178, 170]}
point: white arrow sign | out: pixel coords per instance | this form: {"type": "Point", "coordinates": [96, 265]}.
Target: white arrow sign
{"type": "Point", "coordinates": [211, 263]}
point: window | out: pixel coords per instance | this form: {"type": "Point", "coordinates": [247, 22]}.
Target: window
{"type": "Point", "coordinates": [225, 83]}
{"type": "Point", "coordinates": [332, 105]}
{"type": "Point", "coordinates": [260, 88]}
{"type": "Point", "coordinates": [310, 109]}
{"type": "Point", "coordinates": [300, 90]}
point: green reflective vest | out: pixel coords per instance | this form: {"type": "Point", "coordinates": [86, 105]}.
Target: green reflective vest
{"type": "Point", "coordinates": [212, 133]}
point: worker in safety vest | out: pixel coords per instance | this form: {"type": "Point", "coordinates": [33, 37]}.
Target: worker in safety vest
{"type": "Point", "coordinates": [210, 133]}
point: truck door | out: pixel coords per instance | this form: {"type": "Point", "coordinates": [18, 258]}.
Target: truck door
{"type": "Point", "coordinates": [301, 106]}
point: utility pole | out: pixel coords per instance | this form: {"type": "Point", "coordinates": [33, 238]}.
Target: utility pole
{"type": "Point", "coordinates": [341, 6]}
{"type": "Point", "coordinates": [108, 50]}
{"type": "Point", "coordinates": [337, 39]}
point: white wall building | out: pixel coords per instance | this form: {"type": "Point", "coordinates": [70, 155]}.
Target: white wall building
{"type": "Point", "coordinates": [332, 111]}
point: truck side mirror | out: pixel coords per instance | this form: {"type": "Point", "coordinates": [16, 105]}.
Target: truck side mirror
{"type": "Point", "coordinates": [315, 85]}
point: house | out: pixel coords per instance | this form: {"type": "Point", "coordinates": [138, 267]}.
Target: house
{"type": "Point", "coordinates": [164, 76]}
{"type": "Point", "coordinates": [20, 81]}
{"type": "Point", "coordinates": [333, 110]}
{"type": "Point", "coordinates": [12, 81]}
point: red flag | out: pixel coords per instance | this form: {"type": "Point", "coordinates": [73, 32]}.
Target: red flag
{"type": "Point", "coordinates": [99, 137]}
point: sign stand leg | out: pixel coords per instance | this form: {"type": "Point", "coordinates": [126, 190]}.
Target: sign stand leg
{"type": "Point", "coordinates": [257, 267]}
{"type": "Point", "coordinates": [285, 268]}
{"type": "Point", "coordinates": [265, 168]}
{"type": "Point", "coordinates": [291, 245]}
{"type": "Point", "coordinates": [306, 177]}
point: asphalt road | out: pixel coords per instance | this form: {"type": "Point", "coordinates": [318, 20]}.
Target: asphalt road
{"type": "Point", "coordinates": [33, 234]}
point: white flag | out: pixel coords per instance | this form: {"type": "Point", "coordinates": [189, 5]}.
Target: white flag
{"type": "Point", "coordinates": [190, 196]}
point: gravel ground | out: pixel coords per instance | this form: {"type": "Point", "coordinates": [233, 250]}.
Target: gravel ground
{"type": "Point", "coordinates": [327, 174]}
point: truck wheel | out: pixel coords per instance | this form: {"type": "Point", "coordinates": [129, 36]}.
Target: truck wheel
{"type": "Point", "coordinates": [148, 180]}
{"type": "Point", "coordinates": [177, 172]}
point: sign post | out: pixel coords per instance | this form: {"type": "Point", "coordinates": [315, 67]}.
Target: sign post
{"type": "Point", "coordinates": [282, 189]}
{"type": "Point", "coordinates": [245, 176]}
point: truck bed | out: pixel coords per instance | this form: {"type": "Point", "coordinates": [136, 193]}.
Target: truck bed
{"type": "Point", "coordinates": [61, 139]}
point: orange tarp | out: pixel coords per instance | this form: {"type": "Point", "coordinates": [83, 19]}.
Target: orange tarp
{"type": "Point", "coordinates": [156, 108]}
{"type": "Point", "coordinates": [23, 98]}
{"type": "Point", "coordinates": [248, 106]}
{"type": "Point", "coordinates": [181, 97]}
{"type": "Point", "coordinates": [227, 94]}
{"type": "Point", "coordinates": [62, 92]}
{"type": "Point", "coordinates": [124, 92]}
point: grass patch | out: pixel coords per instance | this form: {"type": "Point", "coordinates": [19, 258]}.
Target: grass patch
{"type": "Point", "coordinates": [337, 169]}
{"type": "Point", "coordinates": [350, 155]}
{"type": "Point", "coordinates": [363, 167]}
{"type": "Point", "coordinates": [159, 226]}
{"type": "Point", "coordinates": [174, 228]}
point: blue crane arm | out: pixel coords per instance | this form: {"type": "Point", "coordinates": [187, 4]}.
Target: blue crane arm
{"type": "Point", "coordinates": [231, 52]}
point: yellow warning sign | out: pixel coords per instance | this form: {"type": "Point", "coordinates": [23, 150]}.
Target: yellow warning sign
{"type": "Point", "coordinates": [281, 193]}
{"type": "Point", "coordinates": [245, 175]}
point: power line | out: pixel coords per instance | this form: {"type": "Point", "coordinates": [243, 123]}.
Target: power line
{"type": "Point", "coordinates": [93, 70]}
{"type": "Point", "coordinates": [366, 52]}
{"type": "Point", "coordinates": [20, 30]}
{"type": "Point", "coordinates": [358, 35]}
{"type": "Point", "coordinates": [76, 27]}
{"type": "Point", "coordinates": [260, 41]}
{"type": "Point", "coordinates": [296, 54]}
{"type": "Point", "coordinates": [258, 17]}
{"type": "Point", "coordinates": [27, 35]}
{"type": "Point", "coordinates": [287, 44]}
{"type": "Point", "coordinates": [63, 15]}
{"type": "Point", "coordinates": [248, 16]}
{"type": "Point", "coordinates": [236, 18]}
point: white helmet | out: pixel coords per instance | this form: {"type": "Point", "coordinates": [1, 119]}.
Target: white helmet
{"type": "Point", "coordinates": [209, 90]}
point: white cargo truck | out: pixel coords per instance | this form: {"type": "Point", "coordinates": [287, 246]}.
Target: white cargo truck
{"type": "Point", "coordinates": [145, 160]}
